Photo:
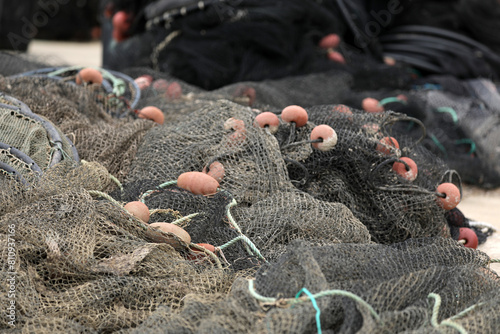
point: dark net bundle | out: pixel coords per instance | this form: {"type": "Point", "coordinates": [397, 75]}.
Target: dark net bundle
{"type": "Point", "coordinates": [221, 131]}
{"type": "Point", "coordinates": [80, 113]}
{"type": "Point", "coordinates": [177, 99]}
{"type": "Point", "coordinates": [208, 220]}
{"type": "Point", "coordinates": [12, 63]}
{"type": "Point", "coordinates": [268, 209]}
{"type": "Point", "coordinates": [358, 172]}
{"type": "Point", "coordinates": [463, 131]}
{"type": "Point", "coordinates": [215, 43]}
{"type": "Point", "coordinates": [87, 265]}
{"type": "Point", "coordinates": [460, 117]}
{"type": "Point", "coordinates": [430, 285]}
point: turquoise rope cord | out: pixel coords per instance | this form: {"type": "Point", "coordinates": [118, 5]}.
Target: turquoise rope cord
{"type": "Point", "coordinates": [435, 313]}
{"type": "Point", "coordinates": [450, 111]}
{"type": "Point", "coordinates": [343, 293]}
{"type": "Point", "coordinates": [161, 186]}
{"type": "Point", "coordinates": [387, 100]}
{"type": "Point", "coordinates": [253, 250]}
{"type": "Point", "coordinates": [230, 216]}
{"type": "Point", "coordinates": [439, 145]}
{"type": "Point", "coordinates": [467, 141]}
{"type": "Point", "coordinates": [119, 86]}
{"type": "Point", "coordinates": [64, 70]}
{"type": "Point", "coordinates": [315, 305]}
{"type": "Point", "coordinates": [249, 245]}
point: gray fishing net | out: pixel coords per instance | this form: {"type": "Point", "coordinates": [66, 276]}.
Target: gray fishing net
{"type": "Point", "coordinates": [285, 235]}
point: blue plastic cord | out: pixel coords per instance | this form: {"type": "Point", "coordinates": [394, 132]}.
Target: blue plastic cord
{"type": "Point", "coordinates": [315, 305]}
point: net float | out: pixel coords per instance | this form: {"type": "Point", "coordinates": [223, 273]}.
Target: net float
{"type": "Point", "coordinates": [371, 105]}
{"type": "Point", "coordinates": [174, 91]}
{"type": "Point", "coordinates": [389, 61]}
{"type": "Point", "coordinates": [449, 195]}
{"type": "Point", "coordinates": [160, 85]}
{"type": "Point", "coordinates": [269, 120]}
{"type": "Point", "coordinates": [295, 114]}
{"type": "Point", "coordinates": [152, 113]}
{"type": "Point", "coordinates": [343, 109]}
{"type": "Point", "coordinates": [402, 97]}
{"type": "Point", "coordinates": [387, 144]}
{"type": "Point", "coordinates": [88, 76]}
{"type": "Point", "coordinates": [121, 22]}
{"type": "Point", "coordinates": [174, 229]}
{"type": "Point", "coordinates": [247, 92]}
{"type": "Point", "coordinates": [138, 210]}
{"type": "Point", "coordinates": [144, 81]}
{"type": "Point", "coordinates": [470, 237]}
{"type": "Point", "coordinates": [336, 57]}
{"type": "Point", "coordinates": [215, 170]}
{"type": "Point", "coordinates": [327, 134]}
{"type": "Point", "coordinates": [329, 41]}
{"type": "Point", "coordinates": [239, 134]}
{"type": "Point", "coordinates": [371, 128]}
{"type": "Point", "coordinates": [234, 124]}
{"type": "Point", "coordinates": [409, 173]}
{"type": "Point", "coordinates": [198, 183]}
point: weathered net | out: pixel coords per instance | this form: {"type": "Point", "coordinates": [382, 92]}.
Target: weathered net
{"type": "Point", "coordinates": [85, 116]}
{"type": "Point", "coordinates": [417, 286]}
{"type": "Point", "coordinates": [30, 144]}
{"type": "Point", "coordinates": [87, 264]}
{"type": "Point", "coordinates": [305, 240]}
{"type": "Point", "coordinates": [460, 116]}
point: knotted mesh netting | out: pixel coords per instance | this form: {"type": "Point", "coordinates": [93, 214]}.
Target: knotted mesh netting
{"type": "Point", "coordinates": [291, 231]}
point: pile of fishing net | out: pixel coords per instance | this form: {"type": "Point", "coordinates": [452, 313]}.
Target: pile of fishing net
{"type": "Point", "coordinates": [432, 52]}
{"type": "Point", "coordinates": [292, 229]}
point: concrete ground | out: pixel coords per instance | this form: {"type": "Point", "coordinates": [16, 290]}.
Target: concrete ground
{"type": "Point", "coordinates": [477, 204]}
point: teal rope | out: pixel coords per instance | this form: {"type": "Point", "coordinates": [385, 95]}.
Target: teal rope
{"type": "Point", "coordinates": [464, 312]}
{"type": "Point", "coordinates": [119, 86]}
{"type": "Point", "coordinates": [435, 313]}
{"type": "Point", "coordinates": [315, 305]}
{"type": "Point", "coordinates": [230, 216]}
{"type": "Point", "coordinates": [249, 245]}
{"type": "Point", "coordinates": [343, 293]}
{"type": "Point", "coordinates": [64, 70]}
{"type": "Point", "coordinates": [253, 249]}
{"type": "Point", "coordinates": [387, 100]}
{"type": "Point", "coordinates": [439, 145]}
{"type": "Point", "coordinates": [161, 186]}
{"type": "Point", "coordinates": [467, 141]}
{"type": "Point", "coordinates": [450, 111]}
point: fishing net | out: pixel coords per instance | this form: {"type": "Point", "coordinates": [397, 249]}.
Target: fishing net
{"type": "Point", "coordinates": [348, 288]}
{"type": "Point", "coordinates": [348, 231]}
{"type": "Point", "coordinates": [93, 117]}
{"type": "Point", "coordinates": [460, 117]}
